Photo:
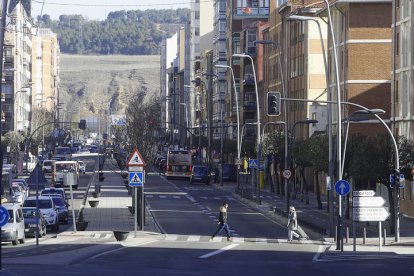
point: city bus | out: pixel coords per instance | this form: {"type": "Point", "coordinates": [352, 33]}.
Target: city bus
{"type": "Point", "coordinates": [65, 174]}
{"type": "Point", "coordinates": [179, 164]}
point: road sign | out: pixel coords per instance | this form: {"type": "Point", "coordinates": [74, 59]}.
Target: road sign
{"type": "Point", "coordinates": [370, 214]}
{"type": "Point", "coordinates": [253, 163]}
{"type": "Point", "coordinates": [136, 179]}
{"type": "Point", "coordinates": [136, 159]}
{"type": "Point", "coordinates": [287, 174]}
{"type": "Point", "coordinates": [365, 201]}
{"type": "Point", "coordinates": [135, 169]}
{"type": "Point", "coordinates": [363, 193]}
{"type": "Point", "coordinates": [342, 187]}
{"type": "Point", "coordinates": [4, 216]}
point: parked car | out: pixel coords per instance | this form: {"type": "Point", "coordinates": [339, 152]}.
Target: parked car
{"type": "Point", "coordinates": [47, 208]}
{"type": "Point", "coordinates": [54, 191]}
{"type": "Point", "coordinates": [13, 231]}
{"type": "Point", "coordinates": [200, 174]}
{"type": "Point", "coordinates": [82, 167]}
{"type": "Point", "coordinates": [19, 195]}
{"type": "Point", "coordinates": [62, 209]}
{"type": "Point", "coordinates": [33, 222]}
{"type": "Point", "coordinates": [23, 184]}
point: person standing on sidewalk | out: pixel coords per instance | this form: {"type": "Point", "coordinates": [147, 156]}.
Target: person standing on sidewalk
{"type": "Point", "coordinates": [292, 224]}
{"type": "Point", "coordinates": [223, 222]}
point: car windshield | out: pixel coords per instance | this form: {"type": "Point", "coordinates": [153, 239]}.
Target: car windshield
{"type": "Point", "coordinates": [47, 163]}
{"type": "Point", "coordinates": [29, 213]}
{"type": "Point", "coordinates": [43, 203]}
{"type": "Point", "coordinates": [11, 217]}
{"type": "Point", "coordinates": [58, 201]}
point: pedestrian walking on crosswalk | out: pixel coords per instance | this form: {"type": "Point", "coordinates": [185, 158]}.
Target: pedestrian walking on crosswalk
{"type": "Point", "coordinates": [292, 224]}
{"type": "Point", "coordinates": [222, 222]}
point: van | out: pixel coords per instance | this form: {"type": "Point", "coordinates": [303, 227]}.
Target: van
{"type": "Point", "coordinates": [13, 231]}
{"type": "Point", "coordinates": [47, 166]}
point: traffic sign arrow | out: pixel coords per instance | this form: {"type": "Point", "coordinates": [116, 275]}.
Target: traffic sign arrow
{"type": "Point", "coordinates": [342, 187]}
{"type": "Point", "coordinates": [374, 201]}
{"type": "Point", "coordinates": [370, 214]}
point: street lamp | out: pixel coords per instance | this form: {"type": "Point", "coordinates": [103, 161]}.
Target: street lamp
{"type": "Point", "coordinates": [285, 114]}
{"type": "Point", "coordinates": [355, 118]}
{"type": "Point", "coordinates": [238, 120]}
{"type": "Point", "coordinates": [258, 124]}
{"type": "Point", "coordinates": [199, 120]}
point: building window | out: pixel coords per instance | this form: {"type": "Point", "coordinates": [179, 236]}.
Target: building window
{"type": "Point", "coordinates": [197, 14]}
{"type": "Point", "coordinates": [197, 31]}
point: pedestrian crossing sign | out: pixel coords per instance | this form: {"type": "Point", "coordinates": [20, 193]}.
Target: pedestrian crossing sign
{"type": "Point", "coordinates": [253, 163]}
{"type": "Point", "coordinates": [136, 159]}
{"type": "Point", "coordinates": [136, 179]}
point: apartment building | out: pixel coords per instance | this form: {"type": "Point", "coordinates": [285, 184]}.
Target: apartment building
{"type": "Point", "coordinates": [17, 77]}
{"type": "Point", "coordinates": [45, 65]}
{"type": "Point", "coordinates": [403, 84]}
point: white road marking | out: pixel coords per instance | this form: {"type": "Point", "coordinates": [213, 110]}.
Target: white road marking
{"type": "Point", "coordinates": [162, 196]}
{"type": "Point", "coordinates": [224, 249]}
{"type": "Point", "coordinates": [238, 240]}
{"type": "Point", "coordinates": [177, 197]}
{"type": "Point", "coordinates": [96, 236]}
{"type": "Point", "coordinates": [193, 238]}
{"type": "Point", "coordinates": [321, 248]}
{"type": "Point", "coordinates": [115, 250]}
{"type": "Point", "coordinates": [171, 237]}
{"type": "Point", "coordinates": [107, 236]}
{"type": "Point", "coordinates": [261, 240]}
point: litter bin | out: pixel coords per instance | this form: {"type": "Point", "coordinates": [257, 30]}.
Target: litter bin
{"type": "Point", "coordinates": [262, 180]}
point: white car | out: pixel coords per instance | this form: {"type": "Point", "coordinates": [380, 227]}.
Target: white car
{"type": "Point", "coordinates": [47, 209]}
{"type": "Point", "coordinates": [19, 195]}
{"type": "Point", "coordinates": [13, 231]}
{"type": "Point", "coordinates": [82, 167]}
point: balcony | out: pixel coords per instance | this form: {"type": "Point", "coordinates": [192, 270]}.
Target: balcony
{"type": "Point", "coordinates": [240, 13]}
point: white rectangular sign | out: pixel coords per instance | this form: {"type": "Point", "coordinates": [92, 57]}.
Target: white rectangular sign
{"type": "Point", "coordinates": [373, 201]}
{"type": "Point", "coordinates": [363, 193]}
{"type": "Point", "coordinates": [370, 214]}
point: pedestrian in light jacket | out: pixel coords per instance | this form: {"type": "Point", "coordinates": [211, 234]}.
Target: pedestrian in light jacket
{"type": "Point", "coordinates": [292, 224]}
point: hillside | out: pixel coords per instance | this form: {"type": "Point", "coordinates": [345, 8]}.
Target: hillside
{"type": "Point", "coordinates": [94, 82]}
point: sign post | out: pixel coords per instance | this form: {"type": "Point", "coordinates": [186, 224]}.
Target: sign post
{"type": "Point", "coordinates": [136, 179]}
{"type": "Point", "coordinates": [342, 188]}
{"type": "Point", "coordinates": [367, 207]}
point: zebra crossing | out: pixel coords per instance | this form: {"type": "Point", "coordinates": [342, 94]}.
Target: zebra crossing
{"type": "Point", "coordinates": [198, 238]}
{"type": "Point", "coordinates": [335, 256]}
{"type": "Point", "coordinates": [179, 197]}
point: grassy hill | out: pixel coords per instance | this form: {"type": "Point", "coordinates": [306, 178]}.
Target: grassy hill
{"type": "Point", "coordinates": [103, 82]}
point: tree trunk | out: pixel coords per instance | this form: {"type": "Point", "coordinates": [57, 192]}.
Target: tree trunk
{"type": "Point", "coordinates": [304, 186]}
{"type": "Point", "coordinates": [318, 191]}
{"type": "Point", "coordinates": [276, 176]}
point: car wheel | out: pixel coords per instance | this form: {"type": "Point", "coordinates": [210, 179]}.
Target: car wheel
{"type": "Point", "coordinates": [22, 240]}
{"type": "Point", "coordinates": [75, 187]}
{"type": "Point", "coordinates": [57, 225]}
{"type": "Point", "coordinates": [15, 241]}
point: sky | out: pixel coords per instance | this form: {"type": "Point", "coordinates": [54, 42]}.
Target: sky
{"type": "Point", "coordinates": [98, 9]}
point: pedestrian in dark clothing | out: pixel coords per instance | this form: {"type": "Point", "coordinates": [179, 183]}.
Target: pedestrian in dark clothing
{"type": "Point", "coordinates": [223, 222]}
{"type": "Point", "coordinates": [216, 174]}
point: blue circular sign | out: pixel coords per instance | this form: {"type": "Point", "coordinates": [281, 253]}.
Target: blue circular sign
{"type": "Point", "coordinates": [342, 187]}
{"type": "Point", "coordinates": [4, 216]}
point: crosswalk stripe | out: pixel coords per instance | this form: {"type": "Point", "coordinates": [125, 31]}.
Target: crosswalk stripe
{"type": "Point", "coordinates": [193, 238]}
{"type": "Point", "coordinates": [177, 197]}
{"type": "Point", "coordinates": [261, 240]}
{"type": "Point", "coordinates": [162, 196]}
{"type": "Point", "coordinates": [107, 236]}
{"type": "Point", "coordinates": [96, 236]}
{"type": "Point", "coordinates": [238, 240]}
{"type": "Point", "coordinates": [171, 237]}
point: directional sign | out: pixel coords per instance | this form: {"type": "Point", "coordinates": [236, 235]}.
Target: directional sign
{"type": "Point", "coordinates": [287, 174]}
{"type": "Point", "coordinates": [363, 193]}
{"type": "Point", "coordinates": [136, 159]}
{"type": "Point", "coordinates": [4, 216]}
{"type": "Point", "coordinates": [370, 214]}
{"type": "Point", "coordinates": [373, 201]}
{"type": "Point", "coordinates": [136, 179]}
{"type": "Point", "coordinates": [342, 187]}
{"type": "Point", "coordinates": [253, 163]}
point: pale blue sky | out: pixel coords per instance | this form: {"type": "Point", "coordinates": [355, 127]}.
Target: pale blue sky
{"type": "Point", "coordinates": [98, 9]}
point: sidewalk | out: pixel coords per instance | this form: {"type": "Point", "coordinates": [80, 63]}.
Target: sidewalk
{"type": "Point", "coordinates": [316, 221]}
{"type": "Point", "coordinates": [112, 212]}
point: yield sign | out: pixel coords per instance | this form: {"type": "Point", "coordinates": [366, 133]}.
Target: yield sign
{"type": "Point", "coordinates": [136, 159]}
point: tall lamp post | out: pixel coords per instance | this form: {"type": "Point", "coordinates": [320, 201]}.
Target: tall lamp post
{"type": "Point", "coordinates": [186, 116]}
{"type": "Point", "coordinates": [285, 114]}
{"type": "Point", "coordinates": [259, 145]}
{"type": "Point", "coordinates": [238, 120]}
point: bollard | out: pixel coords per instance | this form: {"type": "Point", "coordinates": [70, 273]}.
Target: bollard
{"type": "Point", "coordinates": [347, 234]}
{"type": "Point", "coordinates": [385, 236]}
{"type": "Point", "coordinates": [364, 236]}
{"type": "Point", "coordinates": [336, 233]}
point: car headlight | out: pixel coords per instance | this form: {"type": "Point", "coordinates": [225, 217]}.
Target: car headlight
{"type": "Point", "coordinates": [7, 230]}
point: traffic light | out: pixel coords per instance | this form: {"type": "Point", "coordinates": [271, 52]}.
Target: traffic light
{"type": "Point", "coordinates": [82, 124]}
{"type": "Point", "coordinates": [273, 103]}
